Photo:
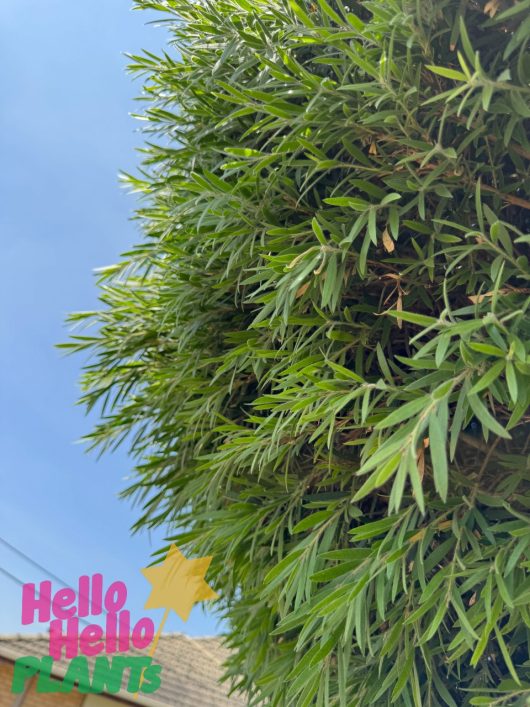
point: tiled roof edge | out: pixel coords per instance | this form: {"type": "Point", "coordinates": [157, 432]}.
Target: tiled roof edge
{"type": "Point", "coordinates": [59, 672]}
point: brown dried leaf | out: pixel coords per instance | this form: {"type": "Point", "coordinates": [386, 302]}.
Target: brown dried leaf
{"type": "Point", "coordinates": [320, 268]}
{"type": "Point", "coordinates": [302, 290]}
{"type": "Point", "coordinates": [399, 307]}
{"type": "Point", "coordinates": [417, 536]}
{"type": "Point", "coordinates": [445, 524]}
{"type": "Point", "coordinates": [476, 299]}
{"type": "Point", "coordinates": [491, 8]}
{"type": "Point", "coordinates": [388, 242]}
{"type": "Point", "coordinates": [505, 291]}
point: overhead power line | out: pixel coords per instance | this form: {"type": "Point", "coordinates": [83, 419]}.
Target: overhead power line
{"type": "Point", "coordinates": [11, 576]}
{"type": "Point", "coordinates": [33, 562]}
{"type": "Point", "coordinates": [39, 567]}
{"type": "Point", "coordinates": [21, 583]}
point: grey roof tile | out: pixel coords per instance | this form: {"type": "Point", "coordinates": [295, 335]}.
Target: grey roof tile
{"type": "Point", "coordinates": [191, 669]}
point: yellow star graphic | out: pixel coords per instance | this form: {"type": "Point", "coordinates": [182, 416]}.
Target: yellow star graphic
{"type": "Point", "coordinates": [178, 583]}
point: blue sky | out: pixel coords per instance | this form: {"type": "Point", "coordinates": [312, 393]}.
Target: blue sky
{"type": "Point", "coordinates": [65, 132]}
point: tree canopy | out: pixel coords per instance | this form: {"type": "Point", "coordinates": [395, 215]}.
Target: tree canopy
{"type": "Point", "coordinates": [318, 353]}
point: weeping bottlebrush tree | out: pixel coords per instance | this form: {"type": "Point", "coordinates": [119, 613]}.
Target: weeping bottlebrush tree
{"type": "Point", "coordinates": [319, 352]}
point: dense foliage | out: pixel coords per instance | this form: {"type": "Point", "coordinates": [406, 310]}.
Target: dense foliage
{"type": "Point", "coordinates": [319, 352]}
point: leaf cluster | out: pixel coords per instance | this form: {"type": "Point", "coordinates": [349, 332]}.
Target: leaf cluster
{"type": "Point", "coordinates": [319, 352]}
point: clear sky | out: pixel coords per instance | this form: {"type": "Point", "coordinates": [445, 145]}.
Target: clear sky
{"type": "Point", "coordinates": [65, 132]}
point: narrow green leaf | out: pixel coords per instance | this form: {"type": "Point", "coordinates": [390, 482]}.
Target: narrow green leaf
{"type": "Point", "coordinates": [484, 416]}
{"type": "Point", "coordinates": [438, 442]}
{"type": "Point", "coordinates": [487, 349]}
{"type": "Point", "coordinates": [312, 520]}
{"type": "Point", "coordinates": [403, 413]}
{"type": "Point", "coordinates": [447, 73]}
{"type": "Point", "coordinates": [319, 233]}
{"type": "Point", "coordinates": [412, 317]}
{"type": "Point", "coordinates": [345, 373]}
{"type": "Point", "coordinates": [511, 380]}
{"type": "Point", "coordinates": [487, 379]}
{"type": "Point", "coordinates": [506, 655]}
{"type": "Point", "coordinates": [282, 566]}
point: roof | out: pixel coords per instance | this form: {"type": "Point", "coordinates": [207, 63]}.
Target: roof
{"type": "Point", "coordinates": [191, 669]}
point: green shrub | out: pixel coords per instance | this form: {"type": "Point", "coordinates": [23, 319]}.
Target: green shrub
{"type": "Point", "coordinates": [319, 352]}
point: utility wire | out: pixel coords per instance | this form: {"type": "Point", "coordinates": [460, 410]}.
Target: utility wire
{"type": "Point", "coordinates": [21, 583]}
{"type": "Point", "coordinates": [32, 562]}
{"type": "Point", "coordinates": [42, 569]}
{"type": "Point", "coordinates": [11, 576]}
